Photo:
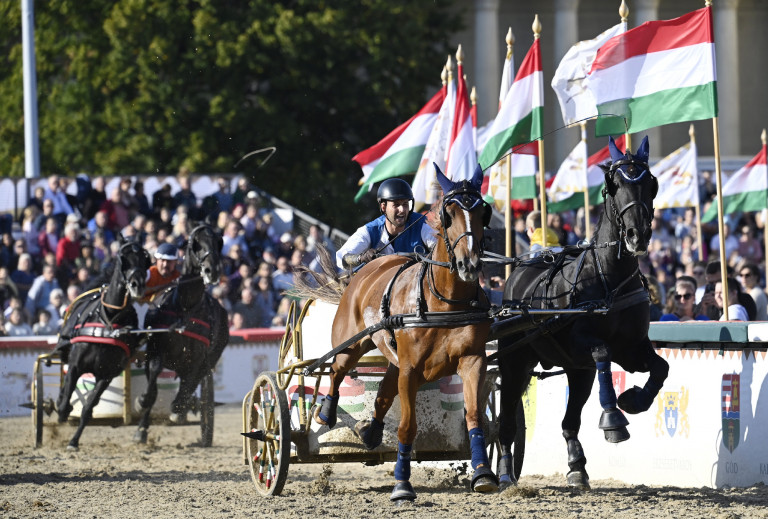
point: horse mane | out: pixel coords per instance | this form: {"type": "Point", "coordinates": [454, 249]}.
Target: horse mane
{"type": "Point", "coordinates": [327, 285]}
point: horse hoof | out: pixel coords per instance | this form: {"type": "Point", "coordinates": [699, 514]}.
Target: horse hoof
{"type": "Point", "coordinates": [72, 448]}
{"type": "Point", "coordinates": [578, 480]}
{"type": "Point", "coordinates": [140, 436]}
{"type": "Point", "coordinates": [178, 419]}
{"type": "Point", "coordinates": [484, 480]}
{"type": "Point", "coordinates": [403, 491]}
{"type": "Point", "coordinates": [635, 400]}
{"type": "Point", "coordinates": [370, 432]}
{"type": "Point", "coordinates": [612, 419]}
{"type": "Point", "coordinates": [617, 435]}
{"type": "Point", "coordinates": [506, 481]}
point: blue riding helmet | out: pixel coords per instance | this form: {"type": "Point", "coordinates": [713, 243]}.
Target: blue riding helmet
{"type": "Point", "coordinates": [167, 251]}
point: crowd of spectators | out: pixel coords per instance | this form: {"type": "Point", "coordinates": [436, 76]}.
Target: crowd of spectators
{"type": "Point", "coordinates": [683, 271]}
{"type": "Point", "coordinates": [64, 244]}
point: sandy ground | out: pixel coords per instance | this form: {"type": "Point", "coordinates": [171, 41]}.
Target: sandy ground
{"type": "Point", "coordinates": [173, 477]}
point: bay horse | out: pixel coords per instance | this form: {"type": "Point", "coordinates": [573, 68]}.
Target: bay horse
{"type": "Point", "coordinates": [198, 332]}
{"type": "Point", "coordinates": [605, 273]}
{"type": "Point", "coordinates": [97, 327]}
{"type": "Point", "coordinates": [444, 282]}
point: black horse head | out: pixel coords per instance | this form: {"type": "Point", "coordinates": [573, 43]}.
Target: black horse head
{"type": "Point", "coordinates": [629, 192]}
{"type": "Point", "coordinates": [203, 253]}
{"type": "Point", "coordinates": [133, 262]}
{"type": "Point", "coordinates": [464, 197]}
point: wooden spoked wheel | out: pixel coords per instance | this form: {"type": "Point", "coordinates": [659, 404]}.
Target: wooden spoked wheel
{"type": "Point", "coordinates": [269, 456]}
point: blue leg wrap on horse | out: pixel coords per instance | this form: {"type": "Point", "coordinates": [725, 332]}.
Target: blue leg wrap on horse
{"type": "Point", "coordinates": [505, 468]}
{"type": "Point", "coordinates": [605, 379]}
{"type": "Point", "coordinates": [329, 398]}
{"type": "Point", "coordinates": [477, 446]}
{"type": "Point", "coordinates": [403, 465]}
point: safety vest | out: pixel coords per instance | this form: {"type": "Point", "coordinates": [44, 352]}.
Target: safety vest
{"type": "Point", "coordinates": [408, 241]}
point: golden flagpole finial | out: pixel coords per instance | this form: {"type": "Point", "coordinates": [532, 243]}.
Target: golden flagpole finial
{"type": "Point", "coordinates": [444, 75]}
{"type": "Point", "coordinates": [473, 96]}
{"type": "Point", "coordinates": [624, 11]}
{"type": "Point", "coordinates": [692, 133]}
{"type": "Point", "coordinates": [536, 27]}
{"type": "Point", "coordinates": [449, 68]}
{"type": "Point", "coordinates": [510, 39]}
{"type": "Point", "coordinates": [459, 55]}
{"type": "Point", "coordinates": [762, 136]}
{"type": "Point", "coordinates": [707, 3]}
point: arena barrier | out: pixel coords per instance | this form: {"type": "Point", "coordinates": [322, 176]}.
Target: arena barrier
{"type": "Point", "coordinates": [249, 353]}
{"type": "Point", "coordinates": [708, 426]}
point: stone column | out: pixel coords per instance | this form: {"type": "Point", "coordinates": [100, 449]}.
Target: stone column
{"type": "Point", "coordinates": [488, 59]}
{"type": "Point", "coordinates": [646, 11]}
{"type": "Point", "coordinates": [727, 53]}
{"type": "Point", "coordinates": [565, 34]}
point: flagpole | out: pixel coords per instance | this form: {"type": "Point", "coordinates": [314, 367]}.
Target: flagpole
{"type": "Point", "coordinates": [587, 223]}
{"type": "Point", "coordinates": [765, 227]}
{"type": "Point", "coordinates": [697, 207]}
{"type": "Point", "coordinates": [510, 39]}
{"type": "Point", "coordinates": [542, 180]}
{"type": "Point", "coordinates": [624, 14]}
{"type": "Point", "coordinates": [720, 217]}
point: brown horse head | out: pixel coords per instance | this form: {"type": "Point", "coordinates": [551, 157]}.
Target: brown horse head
{"type": "Point", "coordinates": [463, 214]}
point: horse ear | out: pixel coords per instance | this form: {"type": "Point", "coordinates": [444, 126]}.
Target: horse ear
{"type": "Point", "coordinates": [445, 184]}
{"type": "Point", "coordinates": [642, 151]}
{"type": "Point", "coordinates": [477, 178]}
{"type": "Point", "coordinates": [615, 153]}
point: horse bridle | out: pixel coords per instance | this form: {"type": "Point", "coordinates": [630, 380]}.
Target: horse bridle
{"type": "Point", "coordinates": [199, 259]}
{"type": "Point", "coordinates": [618, 214]}
{"type": "Point", "coordinates": [125, 277]}
{"type": "Point", "coordinates": [467, 198]}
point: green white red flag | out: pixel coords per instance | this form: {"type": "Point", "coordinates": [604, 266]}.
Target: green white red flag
{"type": "Point", "coordinates": [745, 190]}
{"type": "Point", "coordinates": [462, 157]}
{"type": "Point", "coordinates": [400, 151]}
{"type": "Point", "coordinates": [666, 63]}
{"type": "Point", "coordinates": [519, 121]}
{"type": "Point", "coordinates": [678, 177]}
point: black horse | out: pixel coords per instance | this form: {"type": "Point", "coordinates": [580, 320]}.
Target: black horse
{"type": "Point", "coordinates": [603, 273]}
{"type": "Point", "coordinates": [96, 330]}
{"type": "Point", "coordinates": [199, 333]}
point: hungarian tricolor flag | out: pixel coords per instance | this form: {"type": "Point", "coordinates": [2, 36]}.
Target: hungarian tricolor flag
{"type": "Point", "coordinates": [462, 157]}
{"type": "Point", "coordinates": [595, 182]}
{"type": "Point", "coordinates": [745, 190]}
{"type": "Point", "coordinates": [659, 73]}
{"type": "Point", "coordinates": [399, 152]}
{"type": "Point", "coordinates": [520, 120]}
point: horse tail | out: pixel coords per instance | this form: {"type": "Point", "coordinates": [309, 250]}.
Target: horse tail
{"type": "Point", "coordinates": [324, 284]}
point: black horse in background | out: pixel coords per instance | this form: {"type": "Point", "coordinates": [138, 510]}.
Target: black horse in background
{"type": "Point", "coordinates": [199, 331]}
{"type": "Point", "coordinates": [97, 331]}
{"type": "Point", "coordinates": [602, 273]}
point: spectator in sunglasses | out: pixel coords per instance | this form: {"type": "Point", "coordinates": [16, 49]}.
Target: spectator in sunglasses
{"type": "Point", "coordinates": [683, 308]}
{"type": "Point", "coordinates": [749, 275]}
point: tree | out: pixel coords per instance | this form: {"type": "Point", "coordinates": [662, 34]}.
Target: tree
{"type": "Point", "coordinates": [147, 86]}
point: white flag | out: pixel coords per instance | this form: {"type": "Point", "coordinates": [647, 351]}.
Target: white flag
{"type": "Point", "coordinates": [678, 179]}
{"type": "Point", "coordinates": [425, 186]}
{"type": "Point", "coordinates": [572, 176]}
{"type": "Point", "coordinates": [576, 101]}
